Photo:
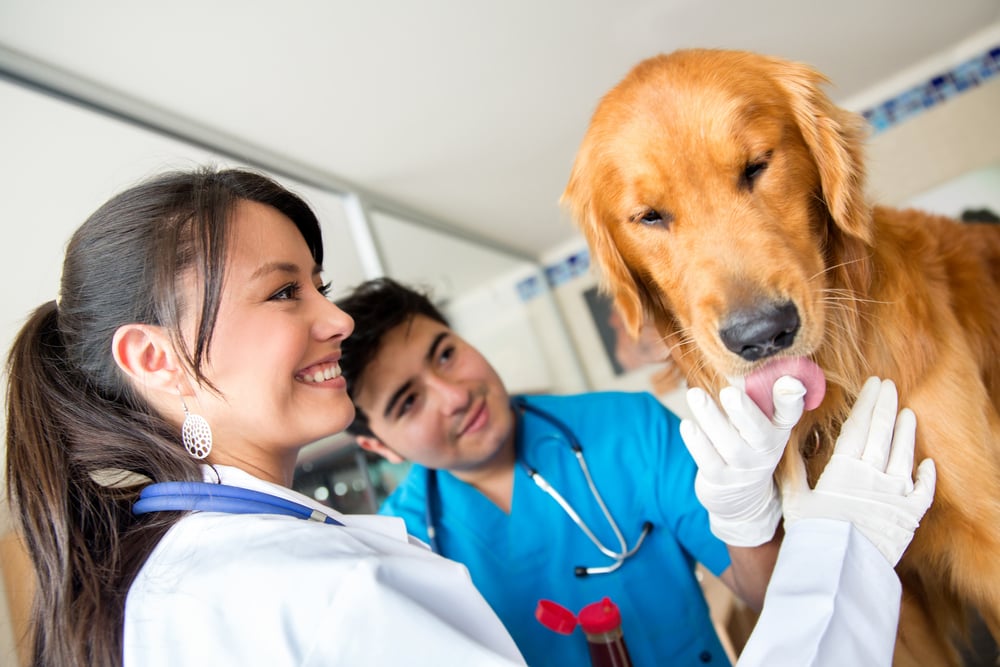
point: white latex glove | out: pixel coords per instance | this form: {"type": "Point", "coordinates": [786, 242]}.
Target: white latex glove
{"type": "Point", "coordinates": [868, 481]}
{"type": "Point", "coordinates": [736, 455]}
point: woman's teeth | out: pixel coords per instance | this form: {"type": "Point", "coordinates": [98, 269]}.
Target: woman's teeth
{"type": "Point", "coordinates": [323, 373]}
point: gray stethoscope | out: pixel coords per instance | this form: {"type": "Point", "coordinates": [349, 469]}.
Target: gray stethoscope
{"type": "Point", "coordinates": [619, 557]}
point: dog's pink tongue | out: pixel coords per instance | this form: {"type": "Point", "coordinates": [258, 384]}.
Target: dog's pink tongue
{"type": "Point", "coordinates": [761, 381]}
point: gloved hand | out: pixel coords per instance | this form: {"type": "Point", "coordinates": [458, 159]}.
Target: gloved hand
{"type": "Point", "coordinates": [868, 480]}
{"type": "Point", "coordinates": [736, 457]}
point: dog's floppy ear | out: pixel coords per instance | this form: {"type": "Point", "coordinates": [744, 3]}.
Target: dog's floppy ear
{"type": "Point", "coordinates": [616, 278]}
{"type": "Point", "coordinates": [835, 137]}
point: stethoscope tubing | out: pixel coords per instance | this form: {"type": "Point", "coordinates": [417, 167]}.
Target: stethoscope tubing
{"type": "Point", "coordinates": [207, 497]}
{"type": "Point", "coordinates": [619, 557]}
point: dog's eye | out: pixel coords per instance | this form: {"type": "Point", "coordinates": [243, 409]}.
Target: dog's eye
{"type": "Point", "coordinates": [653, 218]}
{"type": "Point", "coordinates": [753, 170]}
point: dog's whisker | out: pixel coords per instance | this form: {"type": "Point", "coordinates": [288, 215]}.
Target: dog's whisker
{"type": "Point", "coordinates": [832, 294]}
{"type": "Point", "coordinates": [833, 267]}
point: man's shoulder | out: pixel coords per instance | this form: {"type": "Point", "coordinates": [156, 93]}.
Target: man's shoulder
{"type": "Point", "coordinates": [608, 395]}
{"type": "Point", "coordinates": [611, 414]}
{"type": "Point", "coordinates": [410, 495]}
{"type": "Point", "coordinates": [596, 400]}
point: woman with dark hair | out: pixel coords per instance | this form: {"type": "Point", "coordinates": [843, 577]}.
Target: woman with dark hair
{"type": "Point", "coordinates": [192, 341]}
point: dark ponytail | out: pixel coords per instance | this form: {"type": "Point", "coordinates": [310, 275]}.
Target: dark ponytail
{"type": "Point", "coordinates": [74, 423]}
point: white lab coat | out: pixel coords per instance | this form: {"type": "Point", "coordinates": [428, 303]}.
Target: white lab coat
{"type": "Point", "coordinates": [226, 589]}
{"type": "Point", "coordinates": [833, 600]}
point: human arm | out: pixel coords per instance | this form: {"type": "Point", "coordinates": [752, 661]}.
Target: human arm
{"type": "Point", "coordinates": [842, 540]}
{"type": "Point", "coordinates": [833, 600]}
{"type": "Point", "coordinates": [736, 451]}
{"type": "Point", "coordinates": [750, 570]}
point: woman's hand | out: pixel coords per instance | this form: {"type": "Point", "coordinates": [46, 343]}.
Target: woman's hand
{"type": "Point", "coordinates": [737, 453]}
{"type": "Point", "coordinates": [868, 481]}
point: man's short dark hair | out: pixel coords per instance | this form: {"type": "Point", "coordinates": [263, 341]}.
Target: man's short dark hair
{"type": "Point", "coordinates": [979, 215]}
{"type": "Point", "coordinates": [377, 306]}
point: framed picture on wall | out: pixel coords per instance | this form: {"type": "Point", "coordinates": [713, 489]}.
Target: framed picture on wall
{"type": "Point", "coordinates": [608, 323]}
{"type": "Point", "coordinates": [625, 354]}
{"type": "Point", "coordinates": [611, 358]}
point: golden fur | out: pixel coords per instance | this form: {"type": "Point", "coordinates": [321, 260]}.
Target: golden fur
{"type": "Point", "coordinates": [712, 185]}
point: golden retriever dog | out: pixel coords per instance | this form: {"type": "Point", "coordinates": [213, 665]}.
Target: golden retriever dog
{"type": "Point", "coordinates": [722, 195]}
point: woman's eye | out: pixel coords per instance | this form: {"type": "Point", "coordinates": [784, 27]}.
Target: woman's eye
{"type": "Point", "coordinates": [324, 289]}
{"type": "Point", "coordinates": [286, 293]}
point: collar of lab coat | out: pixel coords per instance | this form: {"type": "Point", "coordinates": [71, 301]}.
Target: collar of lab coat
{"type": "Point", "coordinates": [389, 526]}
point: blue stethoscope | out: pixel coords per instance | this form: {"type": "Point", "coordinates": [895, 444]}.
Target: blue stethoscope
{"type": "Point", "coordinates": [207, 497]}
{"type": "Point", "coordinates": [619, 557]}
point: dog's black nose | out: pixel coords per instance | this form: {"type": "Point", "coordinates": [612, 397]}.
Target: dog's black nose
{"type": "Point", "coordinates": [761, 331]}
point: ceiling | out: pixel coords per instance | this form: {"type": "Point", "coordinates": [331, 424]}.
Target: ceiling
{"type": "Point", "coordinates": [466, 111]}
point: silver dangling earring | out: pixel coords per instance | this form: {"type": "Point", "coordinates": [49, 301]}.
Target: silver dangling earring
{"type": "Point", "coordinates": [196, 434]}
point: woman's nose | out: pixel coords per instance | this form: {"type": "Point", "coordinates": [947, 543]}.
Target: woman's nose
{"type": "Point", "coordinates": [331, 321]}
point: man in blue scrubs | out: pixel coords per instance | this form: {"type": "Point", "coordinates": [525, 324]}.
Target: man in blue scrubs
{"type": "Point", "coordinates": [425, 395]}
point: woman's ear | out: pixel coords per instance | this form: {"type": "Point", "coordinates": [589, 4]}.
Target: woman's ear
{"type": "Point", "coordinates": [146, 354]}
{"type": "Point", "coordinates": [368, 443]}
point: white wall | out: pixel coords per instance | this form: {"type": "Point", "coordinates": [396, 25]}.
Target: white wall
{"type": "Point", "coordinates": [945, 143]}
{"type": "Point", "coordinates": [520, 332]}
{"type": "Point", "coordinates": [979, 189]}
{"type": "Point", "coordinates": [445, 264]}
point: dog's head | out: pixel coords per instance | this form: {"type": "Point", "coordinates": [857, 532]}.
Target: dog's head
{"type": "Point", "coordinates": [721, 194]}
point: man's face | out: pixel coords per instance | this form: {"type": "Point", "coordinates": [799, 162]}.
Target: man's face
{"type": "Point", "coordinates": [433, 399]}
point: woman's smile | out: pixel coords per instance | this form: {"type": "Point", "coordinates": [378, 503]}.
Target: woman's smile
{"type": "Point", "coordinates": [321, 373]}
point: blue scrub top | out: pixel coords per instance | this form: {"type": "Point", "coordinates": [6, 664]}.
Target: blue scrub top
{"type": "Point", "coordinates": [644, 473]}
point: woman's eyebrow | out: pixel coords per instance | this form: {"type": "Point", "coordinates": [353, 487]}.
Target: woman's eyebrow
{"type": "Point", "coordinates": [282, 267]}
{"type": "Point", "coordinates": [274, 267]}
